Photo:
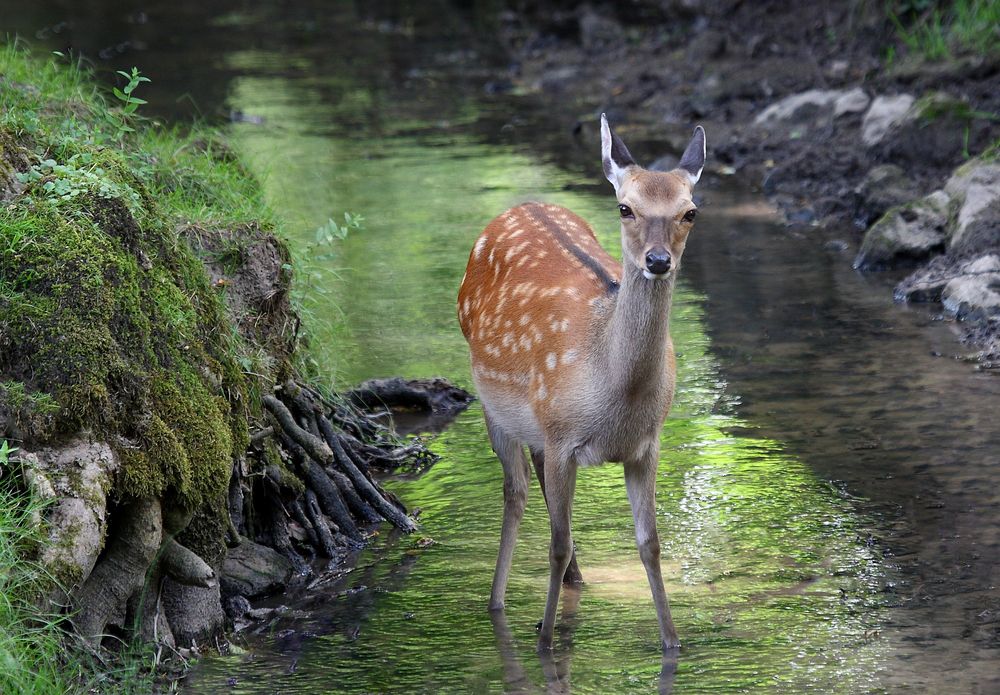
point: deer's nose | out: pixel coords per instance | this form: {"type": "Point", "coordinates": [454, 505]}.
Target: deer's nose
{"type": "Point", "coordinates": [658, 261]}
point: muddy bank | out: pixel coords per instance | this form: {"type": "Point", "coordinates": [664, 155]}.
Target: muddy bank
{"type": "Point", "coordinates": [820, 106]}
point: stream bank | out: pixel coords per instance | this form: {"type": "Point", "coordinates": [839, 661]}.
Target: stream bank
{"type": "Point", "coordinates": [151, 383]}
{"type": "Point", "coordinates": [821, 106]}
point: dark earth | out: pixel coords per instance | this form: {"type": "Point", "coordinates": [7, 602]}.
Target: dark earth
{"type": "Point", "coordinates": [655, 66]}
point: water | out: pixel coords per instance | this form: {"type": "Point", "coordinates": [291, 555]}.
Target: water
{"type": "Point", "coordinates": [827, 493]}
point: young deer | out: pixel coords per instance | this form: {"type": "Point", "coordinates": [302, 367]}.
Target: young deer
{"type": "Point", "coordinates": [571, 354]}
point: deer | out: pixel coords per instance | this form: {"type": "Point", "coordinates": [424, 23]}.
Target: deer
{"type": "Point", "coordinates": [572, 359]}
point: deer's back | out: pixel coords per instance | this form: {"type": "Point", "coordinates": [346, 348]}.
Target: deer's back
{"type": "Point", "coordinates": [535, 278]}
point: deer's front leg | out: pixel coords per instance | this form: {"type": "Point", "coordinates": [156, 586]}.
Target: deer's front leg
{"type": "Point", "coordinates": [640, 482]}
{"type": "Point", "coordinates": [560, 484]}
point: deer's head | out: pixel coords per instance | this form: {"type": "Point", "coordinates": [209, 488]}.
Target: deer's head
{"type": "Point", "coordinates": [656, 208]}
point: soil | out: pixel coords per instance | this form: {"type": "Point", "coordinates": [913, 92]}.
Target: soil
{"type": "Point", "coordinates": [665, 66]}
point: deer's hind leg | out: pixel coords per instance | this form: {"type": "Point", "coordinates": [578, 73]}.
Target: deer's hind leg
{"type": "Point", "coordinates": [516, 474]}
{"type": "Point", "coordinates": [573, 575]}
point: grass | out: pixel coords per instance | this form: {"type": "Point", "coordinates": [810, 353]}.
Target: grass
{"type": "Point", "coordinates": [34, 659]}
{"type": "Point", "coordinates": [942, 30]}
{"type": "Point", "coordinates": [30, 642]}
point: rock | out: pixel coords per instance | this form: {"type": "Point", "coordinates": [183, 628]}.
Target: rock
{"type": "Point", "coordinates": [800, 107]}
{"type": "Point", "coordinates": [883, 114]}
{"type": "Point", "coordinates": [837, 69]}
{"type": "Point", "coordinates": [813, 106]}
{"type": "Point", "coordinates": [77, 478]}
{"type": "Point", "coordinates": [705, 46]}
{"type": "Point", "coordinates": [884, 186]}
{"type": "Point", "coordinates": [973, 295]}
{"type": "Point", "coordinates": [253, 570]}
{"type": "Point", "coordinates": [976, 189]}
{"type": "Point", "coordinates": [934, 131]}
{"type": "Point", "coordinates": [852, 101]}
{"type": "Point", "coordinates": [927, 283]}
{"type": "Point", "coordinates": [905, 234]}
{"type": "Point", "coordinates": [236, 606]}
{"type": "Point", "coordinates": [598, 32]}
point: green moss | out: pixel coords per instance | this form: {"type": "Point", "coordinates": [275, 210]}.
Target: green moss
{"type": "Point", "coordinates": [107, 316]}
{"type": "Point", "coordinates": [273, 459]}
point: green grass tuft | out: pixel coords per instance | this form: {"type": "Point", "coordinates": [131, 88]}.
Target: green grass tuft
{"type": "Point", "coordinates": [942, 30]}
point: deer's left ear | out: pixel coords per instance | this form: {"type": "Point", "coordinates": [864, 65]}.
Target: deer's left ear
{"type": "Point", "coordinates": [693, 159]}
{"type": "Point", "coordinates": [614, 155]}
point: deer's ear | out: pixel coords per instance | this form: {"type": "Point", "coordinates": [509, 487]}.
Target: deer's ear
{"type": "Point", "coordinates": [693, 160]}
{"type": "Point", "coordinates": [614, 154]}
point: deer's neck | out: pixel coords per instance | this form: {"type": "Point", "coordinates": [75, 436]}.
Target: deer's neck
{"type": "Point", "coordinates": [638, 333]}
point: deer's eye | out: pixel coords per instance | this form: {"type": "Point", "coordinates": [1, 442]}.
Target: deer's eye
{"type": "Point", "coordinates": [625, 210]}
{"type": "Point", "coordinates": [690, 215]}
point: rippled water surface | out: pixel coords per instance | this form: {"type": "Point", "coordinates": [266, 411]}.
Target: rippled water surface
{"type": "Point", "coordinates": [827, 495]}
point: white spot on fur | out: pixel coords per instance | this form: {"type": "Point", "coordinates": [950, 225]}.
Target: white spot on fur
{"type": "Point", "coordinates": [479, 247]}
{"type": "Point", "coordinates": [550, 361]}
{"type": "Point", "coordinates": [569, 357]}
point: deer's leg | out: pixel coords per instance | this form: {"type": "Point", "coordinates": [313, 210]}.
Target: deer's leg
{"type": "Point", "coordinates": [516, 475]}
{"type": "Point", "coordinates": [573, 575]}
{"type": "Point", "coordinates": [560, 484]}
{"type": "Point", "coordinates": [640, 482]}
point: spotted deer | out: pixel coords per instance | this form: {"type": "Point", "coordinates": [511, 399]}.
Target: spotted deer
{"type": "Point", "coordinates": [571, 354]}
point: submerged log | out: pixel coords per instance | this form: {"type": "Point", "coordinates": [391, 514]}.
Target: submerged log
{"type": "Point", "coordinates": [429, 395]}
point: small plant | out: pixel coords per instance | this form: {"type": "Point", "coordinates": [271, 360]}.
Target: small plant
{"type": "Point", "coordinates": [5, 451]}
{"type": "Point", "coordinates": [80, 174]}
{"type": "Point", "coordinates": [122, 121]}
{"type": "Point", "coordinates": [332, 231]}
{"type": "Point", "coordinates": [313, 272]}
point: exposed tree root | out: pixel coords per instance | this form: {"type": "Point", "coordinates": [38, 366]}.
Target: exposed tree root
{"type": "Point", "coordinates": [121, 570]}
{"type": "Point", "coordinates": [304, 487]}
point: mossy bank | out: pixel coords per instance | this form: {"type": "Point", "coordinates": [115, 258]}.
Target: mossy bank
{"type": "Point", "coordinates": [145, 320]}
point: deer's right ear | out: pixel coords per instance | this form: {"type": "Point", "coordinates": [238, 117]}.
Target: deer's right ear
{"type": "Point", "coordinates": [614, 154]}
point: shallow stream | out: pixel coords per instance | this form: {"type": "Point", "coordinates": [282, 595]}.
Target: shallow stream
{"type": "Point", "coordinates": [828, 489]}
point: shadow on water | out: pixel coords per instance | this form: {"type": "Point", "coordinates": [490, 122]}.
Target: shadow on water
{"type": "Point", "coordinates": [827, 495]}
